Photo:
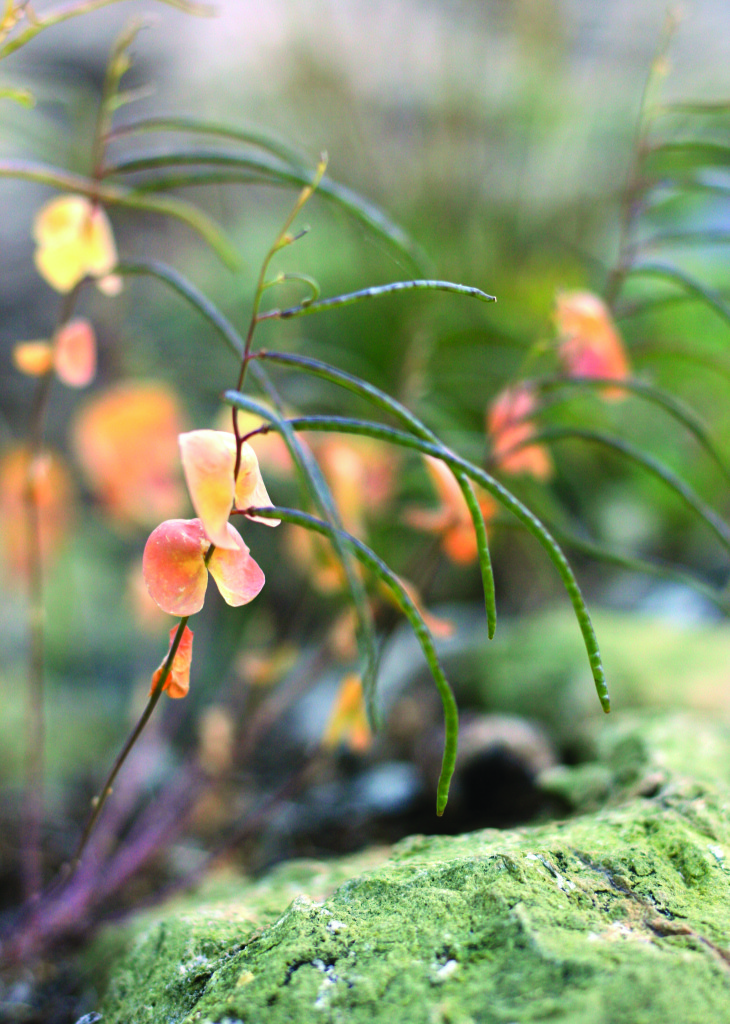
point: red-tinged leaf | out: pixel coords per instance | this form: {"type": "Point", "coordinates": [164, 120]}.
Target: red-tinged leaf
{"type": "Point", "coordinates": [173, 566]}
{"type": "Point", "coordinates": [208, 459]}
{"type": "Point", "coordinates": [74, 354]}
{"type": "Point", "coordinates": [239, 578]}
{"type": "Point", "coordinates": [177, 683]}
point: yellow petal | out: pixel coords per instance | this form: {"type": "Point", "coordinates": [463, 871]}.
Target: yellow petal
{"type": "Point", "coordinates": [208, 458]}
{"type": "Point", "coordinates": [75, 240]}
{"type": "Point", "coordinates": [250, 487]}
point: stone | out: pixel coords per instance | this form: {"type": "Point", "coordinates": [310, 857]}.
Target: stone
{"type": "Point", "coordinates": [619, 913]}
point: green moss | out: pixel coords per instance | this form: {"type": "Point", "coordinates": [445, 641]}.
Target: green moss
{"type": "Point", "coordinates": [615, 916]}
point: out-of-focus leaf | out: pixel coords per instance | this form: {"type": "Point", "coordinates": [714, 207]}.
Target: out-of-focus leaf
{"type": "Point", "coordinates": [74, 10]}
{"type": "Point", "coordinates": [716, 523]}
{"type": "Point", "coordinates": [247, 136]}
{"type": "Point", "coordinates": [22, 96]}
{"type": "Point", "coordinates": [690, 284]}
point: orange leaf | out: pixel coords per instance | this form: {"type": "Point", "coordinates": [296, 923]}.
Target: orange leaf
{"type": "Point", "coordinates": [126, 442]}
{"type": "Point", "coordinates": [74, 354]}
{"type": "Point", "coordinates": [34, 358]}
{"type": "Point", "coordinates": [173, 566]}
{"type": "Point", "coordinates": [177, 683]}
{"type": "Point", "coordinates": [348, 723]}
{"type": "Point", "coordinates": [239, 578]}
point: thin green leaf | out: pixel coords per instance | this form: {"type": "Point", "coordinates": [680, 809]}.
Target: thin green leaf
{"type": "Point", "coordinates": [505, 497]}
{"type": "Point", "coordinates": [374, 292]}
{"type": "Point", "coordinates": [188, 214]}
{"type": "Point", "coordinates": [686, 154]}
{"type": "Point", "coordinates": [75, 10]}
{"type": "Point", "coordinates": [680, 412]}
{"type": "Point", "coordinates": [22, 96]}
{"type": "Point", "coordinates": [188, 291]}
{"type": "Point", "coordinates": [696, 107]}
{"type": "Point", "coordinates": [716, 523]}
{"type": "Point", "coordinates": [389, 405]}
{"type": "Point", "coordinates": [247, 136]}
{"type": "Point", "coordinates": [640, 565]}
{"type": "Point", "coordinates": [371, 561]}
{"type": "Point", "coordinates": [690, 285]}
{"type": "Point", "coordinates": [320, 494]}
{"type": "Point", "coordinates": [278, 172]}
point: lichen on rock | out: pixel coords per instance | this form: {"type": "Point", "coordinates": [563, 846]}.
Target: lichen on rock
{"type": "Point", "coordinates": [621, 914]}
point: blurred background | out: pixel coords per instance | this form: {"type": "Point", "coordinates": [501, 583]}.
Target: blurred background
{"type": "Point", "coordinates": [501, 136]}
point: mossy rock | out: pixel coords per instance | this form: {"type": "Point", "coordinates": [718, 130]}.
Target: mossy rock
{"type": "Point", "coordinates": [618, 915]}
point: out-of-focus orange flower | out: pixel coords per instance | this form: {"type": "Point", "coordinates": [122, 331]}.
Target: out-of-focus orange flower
{"type": "Point", "coordinates": [216, 732]}
{"type": "Point", "coordinates": [361, 474]}
{"type": "Point", "coordinates": [33, 358]}
{"type": "Point", "coordinates": [72, 355]}
{"type": "Point", "coordinates": [126, 442]}
{"type": "Point", "coordinates": [209, 459]}
{"type": "Point", "coordinates": [589, 344]}
{"type": "Point", "coordinates": [177, 576]}
{"type": "Point", "coordinates": [451, 519]}
{"type": "Point", "coordinates": [348, 723]}
{"type": "Point", "coordinates": [177, 683]}
{"type": "Point", "coordinates": [74, 240]}
{"type": "Point", "coordinates": [509, 428]}
{"type": "Point", "coordinates": [440, 628]}
{"type": "Point", "coordinates": [315, 556]}
{"type": "Point", "coordinates": [54, 498]}
{"type": "Point", "coordinates": [262, 668]}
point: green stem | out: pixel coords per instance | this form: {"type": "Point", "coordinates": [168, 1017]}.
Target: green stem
{"type": "Point", "coordinates": [99, 801]}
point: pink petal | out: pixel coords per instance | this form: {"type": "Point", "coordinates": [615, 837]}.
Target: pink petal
{"type": "Point", "coordinates": [74, 354]}
{"type": "Point", "coordinates": [239, 578]}
{"type": "Point", "coordinates": [173, 566]}
{"type": "Point", "coordinates": [208, 458]}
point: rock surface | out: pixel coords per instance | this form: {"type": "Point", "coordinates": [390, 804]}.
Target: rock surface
{"type": "Point", "coordinates": [618, 914]}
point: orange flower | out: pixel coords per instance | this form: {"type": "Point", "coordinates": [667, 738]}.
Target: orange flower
{"type": "Point", "coordinates": [177, 683]}
{"type": "Point", "coordinates": [126, 442]}
{"type": "Point", "coordinates": [361, 475]}
{"type": "Point", "coordinates": [348, 722]}
{"type": "Point", "coordinates": [74, 240]}
{"type": "Point", "coordinates": [315, 556]}
{"type": "Point", "coordinates": [509, 429]}
{"type": "Point", "coordinates": [451, 518]}
{"type": "Point", "coordinates": [176, 575]}
{"type": "Point", "coordinates": [54, 497]}
{"type": "Point", "coordinates": [72, 355]}
{"type": "Point", "coordinates": [209, 459]}
{"type": "Point", "coordinates": [589, 344]}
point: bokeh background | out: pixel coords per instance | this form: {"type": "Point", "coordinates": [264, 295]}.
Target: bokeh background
{"type": "Point", "coordinates": [500, 136]}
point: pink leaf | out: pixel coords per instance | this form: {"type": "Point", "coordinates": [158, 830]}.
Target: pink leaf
{"type": "Point", "coordinates": [239, 578]}
{"type": "Point", "coordinates": [173, 566]}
